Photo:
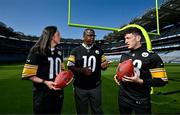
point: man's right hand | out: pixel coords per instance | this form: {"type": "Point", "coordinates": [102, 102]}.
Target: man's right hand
{"type": "Point", "coordinates": [86, 71]}
{"type": "Point", "coordinates": [116, 80]}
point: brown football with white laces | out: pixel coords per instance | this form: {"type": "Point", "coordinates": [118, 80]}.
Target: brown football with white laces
{"type": "Point", "coordinates": [125, 68]}
{"type": "Point", "coordinates": [63, 78]}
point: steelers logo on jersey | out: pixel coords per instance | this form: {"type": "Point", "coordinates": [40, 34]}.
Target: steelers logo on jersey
{"type": "Point", "coordinates": [145, 54]}
{"type": "Point", "coordinates": [59, 52]}
{"type": "Point", "coordinates": [97, 51]}
{"type": "Point", "coordinates": [133, 54]}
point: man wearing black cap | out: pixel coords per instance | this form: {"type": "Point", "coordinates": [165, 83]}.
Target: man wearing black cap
{"type": "Point", "coordinates": [86, 62]}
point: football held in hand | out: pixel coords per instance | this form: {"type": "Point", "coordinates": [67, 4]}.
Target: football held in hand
{"type": "Point", "coordinates": [125, 68]}
{"type": "Point", "coordinates": [63, 79]}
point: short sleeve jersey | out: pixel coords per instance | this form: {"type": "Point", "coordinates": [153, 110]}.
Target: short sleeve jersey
{"type": "Point", "coordinates": [46, 67]}
{"type": "Point", "coordinates": [143, 61]}
{"type": "Point", "coordinates": [90, 58]}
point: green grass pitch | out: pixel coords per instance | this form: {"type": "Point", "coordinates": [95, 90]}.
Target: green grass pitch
{"type": "Point", "coordinates": [16, 94]}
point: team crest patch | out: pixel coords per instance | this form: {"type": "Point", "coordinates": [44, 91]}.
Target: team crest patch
{"type": "Point", "coordinates": [59, 52]}
{"type": "Point", "coordinates": [97, 52]}
{"type": "Point", "coordinates": [28, 60]}
{"type": "Point", "coordinates": [145, 54]}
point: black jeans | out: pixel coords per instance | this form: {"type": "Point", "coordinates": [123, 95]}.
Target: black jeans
{"type": "Point", "coordinates": [128, 105]}
{"type": "Point", "coordinates": [47, 102]}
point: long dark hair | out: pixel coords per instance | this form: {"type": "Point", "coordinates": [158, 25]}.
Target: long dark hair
{"type": "Point", "coordinates": [43, 45]}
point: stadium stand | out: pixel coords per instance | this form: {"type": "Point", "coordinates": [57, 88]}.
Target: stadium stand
{"type": "Point", "coordinates": [15, 45]}
{"type": "Point", "coordinates": [13, 49]}
{"type": "Point", "coordinates": [168, 41]}
{"type": "Point", "coordinates": [171, 57]}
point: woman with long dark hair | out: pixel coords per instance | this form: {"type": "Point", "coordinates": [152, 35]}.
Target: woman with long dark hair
{"type": "Point", "coordinates": [43, 63]}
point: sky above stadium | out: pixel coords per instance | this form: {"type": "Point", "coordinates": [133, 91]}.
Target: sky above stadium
{"type": "Point", "coordinates": [31, 16]}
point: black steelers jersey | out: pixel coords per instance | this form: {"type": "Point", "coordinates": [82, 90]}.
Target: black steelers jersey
{"type": "Point", "coordinates": [92, 58]}
{"type": "Point", "coordinates": [45, 67]}
{"type": "Point", "coordinates": [151, 69]}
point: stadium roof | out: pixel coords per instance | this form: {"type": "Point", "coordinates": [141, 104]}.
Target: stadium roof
{"type": "Point", "coordinates": [169, 13]}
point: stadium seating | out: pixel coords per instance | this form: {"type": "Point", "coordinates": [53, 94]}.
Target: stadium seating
{"type": "Point", "coordinates": [16, 43]}
{"type": "Point", "coordinates": [171, 57]}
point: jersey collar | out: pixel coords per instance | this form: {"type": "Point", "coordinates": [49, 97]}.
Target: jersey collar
{"type": "Point", "coordinates": [87, 47]}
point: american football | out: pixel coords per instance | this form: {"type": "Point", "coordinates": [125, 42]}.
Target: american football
{"type": "Point", "coordinates": [63, 78]}
{"type": "Point", "coordinates": [125, 68]}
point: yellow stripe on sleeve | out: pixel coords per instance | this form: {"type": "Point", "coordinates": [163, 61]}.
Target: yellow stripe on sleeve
{"type": "Point", "coordinates": [71, 58]}
{"type": "Point", "coordinates": [29, 70]}
{"type": "Point", "coordinates": [103, 58]}
{"type": "Point", "coordinates": [158, 73]}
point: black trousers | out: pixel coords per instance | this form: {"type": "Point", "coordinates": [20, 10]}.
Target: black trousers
{"type": "Point", "coordinates": [47, 102]}
{"type": "Point", "coordinates": [138, 106]}
{"type": "Point", "coordinates": [84, 98]}
{"type": "Point", "coordinates": [127, 108]}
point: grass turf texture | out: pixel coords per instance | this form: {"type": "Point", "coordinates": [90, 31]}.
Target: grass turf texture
{"type": "Point", "coordinates": [16, 94]}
